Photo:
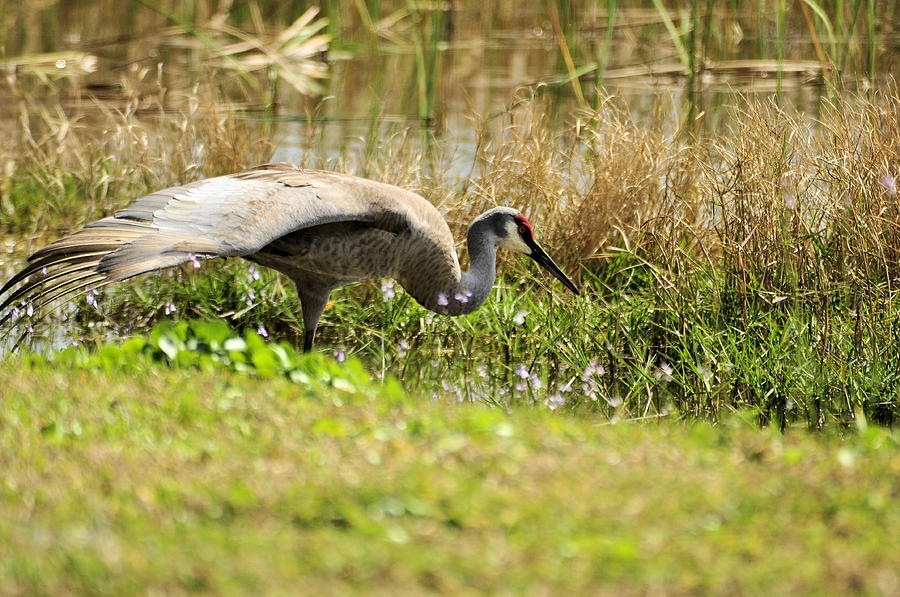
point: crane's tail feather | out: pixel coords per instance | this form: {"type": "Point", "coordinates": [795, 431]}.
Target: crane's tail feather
{"type": "Point", "coordinates": [70, 285]}
{"type": "Point", "coordinates": [106, 251]}
{"type": "Point", "coordinates": [35, 282]}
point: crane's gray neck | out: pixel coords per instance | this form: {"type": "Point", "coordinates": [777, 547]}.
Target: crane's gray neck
{"type": "Point", "coordinates": [475, 285]}
{"type": "Point", "coordinates": [461, 293]}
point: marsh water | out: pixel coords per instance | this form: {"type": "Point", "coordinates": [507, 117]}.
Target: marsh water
{"type": "Point", "coordinates": [435, 65]}
{"type": "Point", "coordinates": [348, 73]}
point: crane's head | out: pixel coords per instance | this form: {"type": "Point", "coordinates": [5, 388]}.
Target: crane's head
{"type": "Point", "coordinates": [513, 232]}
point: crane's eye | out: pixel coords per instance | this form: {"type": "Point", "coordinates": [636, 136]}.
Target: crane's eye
{"type": "Point", "coordinates": [524, 228]}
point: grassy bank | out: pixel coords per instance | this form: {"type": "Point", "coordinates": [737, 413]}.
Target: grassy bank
{"type": "Point", "coordinates": [623, 351]}
{"type": "Point", "coordinates": [651, 435]}
{"type": "Point", "coordinates": [755, 270]}
{"type": "Point", "coordinates": [128, 475]}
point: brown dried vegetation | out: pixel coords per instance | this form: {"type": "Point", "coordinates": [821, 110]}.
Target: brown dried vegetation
{"type": "Point", "coordinates": [715, 254]}
{"type": "Point", "coordinates": [783, 202]}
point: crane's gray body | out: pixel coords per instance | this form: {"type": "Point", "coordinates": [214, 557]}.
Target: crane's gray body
{"type": "Point", "coordinates": [322, 229]}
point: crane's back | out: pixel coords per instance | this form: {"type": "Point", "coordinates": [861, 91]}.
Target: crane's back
{"type": "Point", "coordinates": [349, 215]}
{"type": "Point", "coordinates": [332, 228]}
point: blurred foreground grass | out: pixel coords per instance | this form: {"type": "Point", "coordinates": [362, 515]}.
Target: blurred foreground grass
{"type": "Point", "coordinates": [154, 474]}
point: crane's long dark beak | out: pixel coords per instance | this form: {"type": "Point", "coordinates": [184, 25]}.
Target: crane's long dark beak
{"type": "Point", "coordinates": [541, 258]}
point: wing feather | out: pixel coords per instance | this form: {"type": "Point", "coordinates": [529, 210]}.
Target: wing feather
{"type": "Point", "coordinates": [233, 215]}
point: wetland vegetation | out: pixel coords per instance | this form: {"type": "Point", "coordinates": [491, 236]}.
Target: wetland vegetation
{"type": "Point", "coordinates": [721, 181]}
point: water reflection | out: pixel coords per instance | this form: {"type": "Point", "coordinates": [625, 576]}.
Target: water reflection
{"type": "Point", "coordinates": [427, 66]}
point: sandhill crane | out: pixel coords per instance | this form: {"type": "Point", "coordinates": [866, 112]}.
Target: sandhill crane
{"type": "Point", "coordinates": [322, 229]}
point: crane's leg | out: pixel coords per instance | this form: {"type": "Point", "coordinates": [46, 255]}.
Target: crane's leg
{"type": "Point", "coordinates": [308, 340]}
{"type": "Point", "coordinates": [313, 302]}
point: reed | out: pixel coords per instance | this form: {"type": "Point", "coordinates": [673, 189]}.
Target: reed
{"type": "Point", "coordinates": [63, 166]}
{"type": "Point", "coordinates": [702, 258]}
{"type": "Point", "coordinates": [781, 33]}
{"type": "Point", "coordinates": [564, 46]}
{"type": "Point", "coordinates": [871, 41]}
{"type": "Point", "coordinates": [611, 6]}
{"type": "Point", "coordinates": [753, 269]}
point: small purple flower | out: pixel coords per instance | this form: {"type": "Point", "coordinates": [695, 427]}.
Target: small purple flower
{"type": "Point", "coordinates": [588, 379]}
{"type": "Point", "coordinates": [519, 317]}
{"type": "Point", "coordinates": [442, 299]}
{"type": "Point", "coordinates": [91, 297]}
{"type": "Point", "coordinates": [594, 368]}
{"type": "Point", "coordinates": [261, 330]}
{"type": "Point", "coordinates": [254, 273]}
{"type": "Point", "coordinates": [403, 346]}
{"type": "Point", "coordinates": [387, 290]}
{"type": "Point", "coordinates": [339, 355]}
{"type": "Point", "coordinates": [193, 259]}
{"type": "Point", "coordinates": [29, 329]}
{"type": "Point", "coordinates": [170, 308]}
{"type": "Point", "coordinates": [521, 386]}
{"type": "Point", "coordinates": [44, 271]}
{"type": "Point", "coordinates": [890, 183]}
{"type": "Point", "coordinates": [251, 296]}
{"type": "Point", "coordinates": [535, 381]}
{"type": "Point", "coordinates": [429, 319]}
{"type": "Point", "coordinates": [555, 401]}
{"type": "Point", "coordinates": [463, 297]}
{"type": "Point", "coordinates": [522, 371]}
{"type": "Point", "coordinates": [664, 372]}
{"type": "Point", "coordinates": [452, 389]}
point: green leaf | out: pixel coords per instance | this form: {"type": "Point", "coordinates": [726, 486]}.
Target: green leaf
{"type": "Point", "coordinates": [169, 346]}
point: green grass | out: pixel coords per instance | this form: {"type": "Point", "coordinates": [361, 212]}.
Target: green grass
{"type": "Point", "coordinates": [628, 348]}
{"type": "Point", "coordinates": [753, 270]}
{"type": "Point", "coordinates": [129, 475]}
{"type": "Point", "coordinates": [648, 436]}
{"type": "Point", "coordinates": [29, 209]}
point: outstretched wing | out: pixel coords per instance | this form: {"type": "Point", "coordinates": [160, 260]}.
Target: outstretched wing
{"type": "Point", "coordinates": [229, 215]}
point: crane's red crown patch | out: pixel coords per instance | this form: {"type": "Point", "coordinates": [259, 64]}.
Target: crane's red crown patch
{"type": "Point", "coordinates": [524, 225]}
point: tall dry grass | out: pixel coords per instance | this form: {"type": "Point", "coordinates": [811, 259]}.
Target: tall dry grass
{"type": "Point", "coordinates": [782, 202]}
{"type": "Point", "coordinates": [77, 157]}
{"type": "Point", "coordinates": [752, 269]}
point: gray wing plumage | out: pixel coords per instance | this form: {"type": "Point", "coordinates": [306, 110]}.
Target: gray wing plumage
{"type": "Point", "coordinates": [231, 215]}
